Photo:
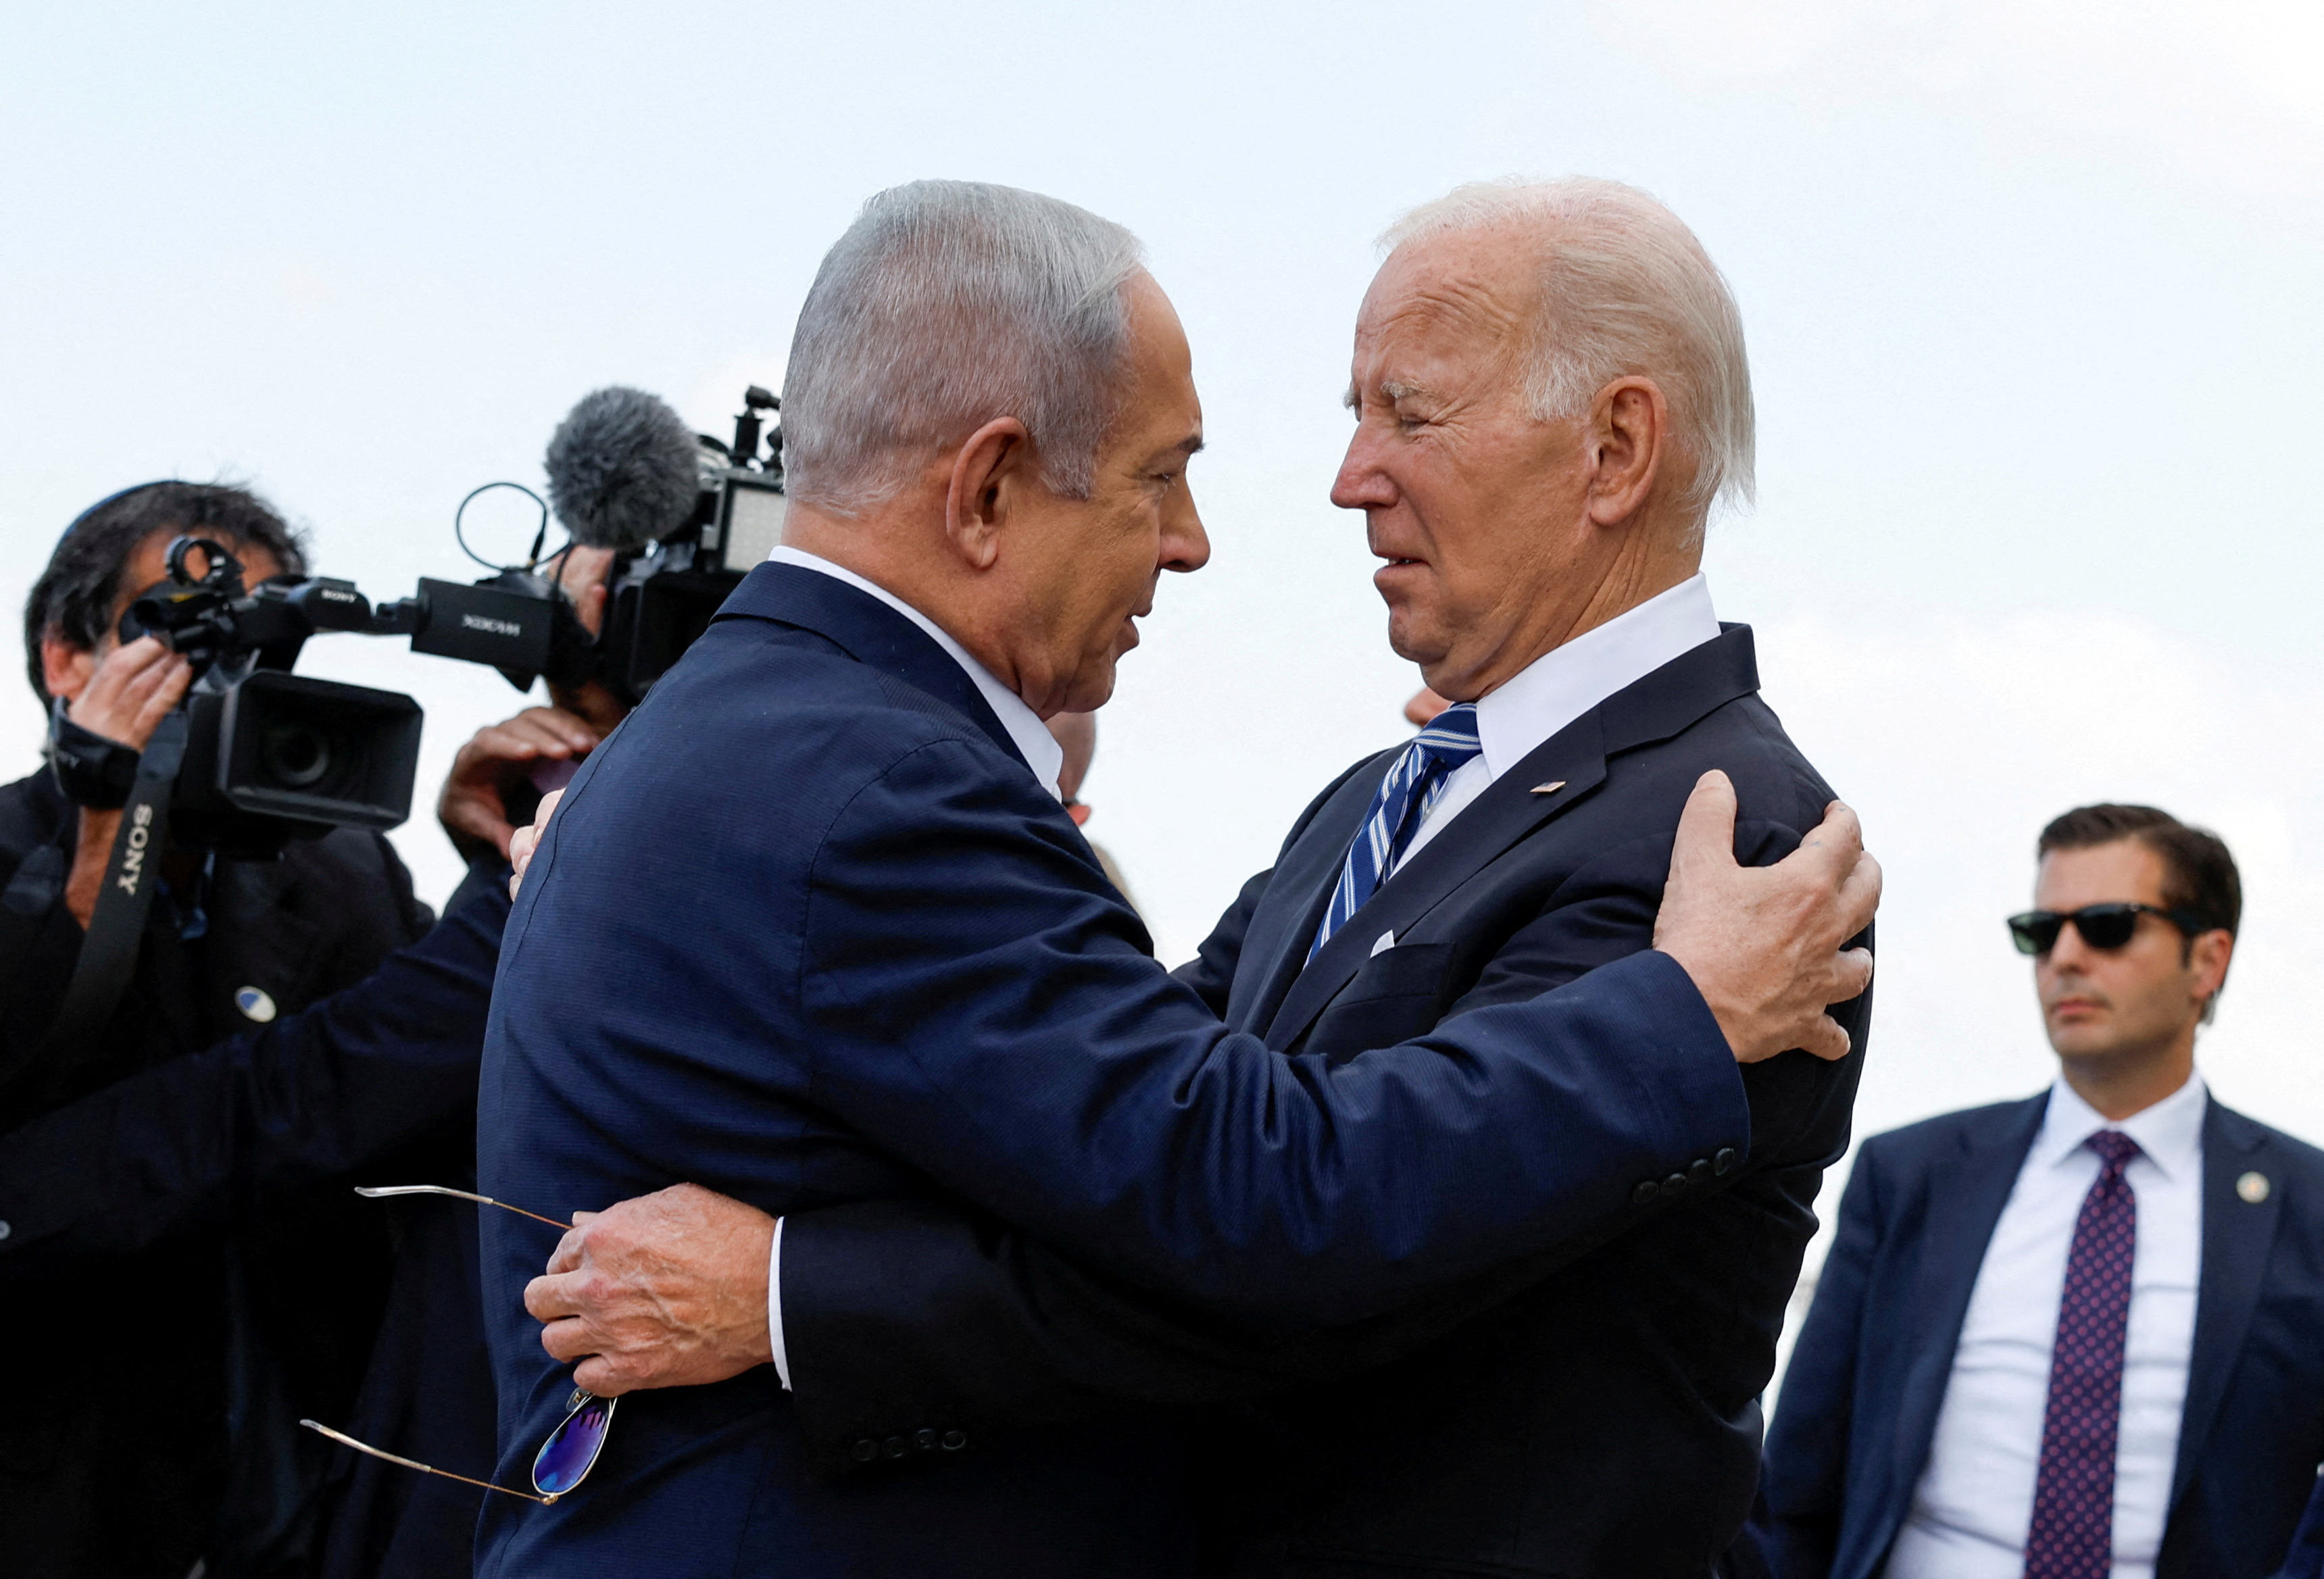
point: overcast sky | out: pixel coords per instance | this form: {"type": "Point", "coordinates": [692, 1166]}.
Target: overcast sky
{"type": "Point", "coordinates": [2032, 291]}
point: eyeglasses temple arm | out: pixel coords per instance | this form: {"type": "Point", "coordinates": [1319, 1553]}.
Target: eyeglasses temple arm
{"type": "Point", "coordinates": [376, 1190]}
{"type": "Point", "coordinates": [346, 1441]}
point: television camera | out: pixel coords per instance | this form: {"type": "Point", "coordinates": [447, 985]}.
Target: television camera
{"type": "Point", "coordinates": [271, 755]}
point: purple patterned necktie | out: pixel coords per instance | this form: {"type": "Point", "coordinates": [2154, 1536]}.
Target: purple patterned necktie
{"type": "Point", "coordinates": [2072, 1533]}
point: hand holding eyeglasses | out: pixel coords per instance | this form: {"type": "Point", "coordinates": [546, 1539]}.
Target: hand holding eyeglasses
{"type": "Point", "coordinates": [569, 1452]}
{"type": "Point", "coordinates": [668, 1290]}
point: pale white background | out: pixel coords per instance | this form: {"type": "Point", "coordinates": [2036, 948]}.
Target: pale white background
{"type": "Point", "coordinates": [2033, 294]}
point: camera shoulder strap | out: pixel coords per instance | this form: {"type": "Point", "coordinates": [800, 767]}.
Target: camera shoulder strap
{"type": "Point", "coordinates": [108, 953]}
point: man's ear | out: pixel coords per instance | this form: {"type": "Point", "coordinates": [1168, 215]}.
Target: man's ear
{"type": "Point", "coordinates": [988, 475]}
{"type": "Point", "coordinates": [65, 668]}
{"type": "Point", "coordinates": [1630, 426]}
{"type": "Point", "coordinates": [2210, 953]}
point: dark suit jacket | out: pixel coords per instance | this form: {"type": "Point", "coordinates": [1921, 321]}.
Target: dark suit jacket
{"type": "Point", "coordinates": [1860, 1403]}
{"type": "Point", "coordinates": [1599, 1420]}
{"type": "Point", "coordinates": [807, 933]}
{"type": "Point", "coordinates": [374, 1085]}
{"type": "Point", "coordinates": [269, 1318]}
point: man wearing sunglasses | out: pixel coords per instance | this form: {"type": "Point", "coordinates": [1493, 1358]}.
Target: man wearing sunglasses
{"type": "Point", "coordinates": [2080, 1335]}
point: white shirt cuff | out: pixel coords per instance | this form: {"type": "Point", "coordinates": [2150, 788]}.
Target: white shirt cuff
{"type": "Point", "coordinates": [774, 1308]}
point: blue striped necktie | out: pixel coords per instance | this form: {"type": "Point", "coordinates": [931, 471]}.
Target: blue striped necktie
{"type": "Point", "coordinates": [1402, 803]}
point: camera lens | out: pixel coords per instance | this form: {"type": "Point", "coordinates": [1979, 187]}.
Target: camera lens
{"type": "Point", "coordinates": [294, 755]}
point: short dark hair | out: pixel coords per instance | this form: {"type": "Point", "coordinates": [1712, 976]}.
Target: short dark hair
{"type": "Point", "coordinates": [74, 598]}
{"type": "Point", "coordinates": [2198, 874]}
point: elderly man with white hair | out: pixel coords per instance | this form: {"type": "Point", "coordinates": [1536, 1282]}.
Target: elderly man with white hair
{"type": "Point", "coordinates": [1419, 1194]}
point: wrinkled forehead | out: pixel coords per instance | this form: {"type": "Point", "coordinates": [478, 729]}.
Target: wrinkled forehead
{"type": "Point", "coordinates": [1468, 296]}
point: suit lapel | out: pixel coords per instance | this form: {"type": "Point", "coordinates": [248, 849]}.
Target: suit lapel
{"type": "Point", "coordinates": [2237, 1235]}
{"type": "Point", "coordinates": [870, 632]}
{"type": "Point", "coordinates": [1506, 812]}
{"type": "Point", "coordinates": [1276, 946]}
{"type": "Point", "coordinates": [1655, 708]}
{"type": "Point", "coordinates": [1966, 1195]}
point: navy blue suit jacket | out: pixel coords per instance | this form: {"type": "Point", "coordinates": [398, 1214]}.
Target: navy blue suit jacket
{"type": "Point", "coordinates": [1591, 1411]}
{"type": "Point", "coordinates": [807, 932]}
{"type": "Point", "coordinates": [1860, 1403]}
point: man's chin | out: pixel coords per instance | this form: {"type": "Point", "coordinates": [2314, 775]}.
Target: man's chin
{"type": "Point", "coordinates": [1092, 689]}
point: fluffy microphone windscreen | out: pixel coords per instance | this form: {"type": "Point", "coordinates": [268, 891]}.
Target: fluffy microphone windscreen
{"type": "Point", "coordinates": [622, 469]}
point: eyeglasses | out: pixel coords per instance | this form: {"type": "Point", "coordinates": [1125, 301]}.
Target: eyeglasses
{"type": "Point", "coordinates": [570, 1451]}
{"type": "Point", "coordinates": [2101, 926]}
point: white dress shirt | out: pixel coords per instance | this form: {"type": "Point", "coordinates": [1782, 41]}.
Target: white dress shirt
{"type": "Point", "coordinates": [1566, 682]}
{"type": "Point", "coordinates": [1034, 743]}
{"type": "Point", "coordinates": [1975, 1500]}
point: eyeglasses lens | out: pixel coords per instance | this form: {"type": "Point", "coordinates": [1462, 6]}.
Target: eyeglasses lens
{"type": "Point", "coordinates": [572, 1448]}
{"type": "Point", "coordinates": [2106, 926]}
{"type": "Point", "coordinates": [2101, 926]}
{"type": "Point", "coordinates": [2036, 931]}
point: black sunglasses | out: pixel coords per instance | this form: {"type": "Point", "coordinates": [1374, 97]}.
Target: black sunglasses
{"type": "Point", "coordinates": [2101, 926]}
{"type": "Point", "coordinates": [570, 1451]}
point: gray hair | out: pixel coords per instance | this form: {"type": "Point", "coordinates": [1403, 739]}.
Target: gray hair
{"type": "Point", "coordinates": [1627, 289]}
{"type": "Point", "coordinates": [948, 304]}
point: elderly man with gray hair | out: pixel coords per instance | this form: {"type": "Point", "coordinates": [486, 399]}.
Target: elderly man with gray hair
{"type": "Point", "coordinates": [1452, 1196]}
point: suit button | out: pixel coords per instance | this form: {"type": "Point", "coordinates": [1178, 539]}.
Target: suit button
{"type": "Point", "coordinates": [1724, 1160]}
{"type": "Point", "coordinates": [1673, 1184]}
{"type": "Point", "coordinates": [6, 1230]}
{"type": "Point", "coordinates": [1699, 1173]}
{"type": "Point", "coordinates": [954, 1441]}
{"type": "Point", "coordinates": [866, 1451]}
{"type": "Point", "coordinates": [925, 1440]}
{"type": "Point", "coordinates": [1647, 1189]}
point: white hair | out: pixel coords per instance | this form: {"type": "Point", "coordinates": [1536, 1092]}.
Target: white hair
{"type": "Point", "coordinates": [1627, 290]}
{"type": "Point", "coordinates": [948, 304]}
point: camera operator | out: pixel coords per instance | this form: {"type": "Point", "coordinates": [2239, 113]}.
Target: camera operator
{"type": "Point", "coordinates": [186, 1274]}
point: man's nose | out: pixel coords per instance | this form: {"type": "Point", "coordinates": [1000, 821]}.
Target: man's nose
{"type": "Point", "coordinates": [1185, 546]}
{"type": "Point", "coordinates": [1361, 483]}
{"type": "Point", "coordinates": [2070, 955]}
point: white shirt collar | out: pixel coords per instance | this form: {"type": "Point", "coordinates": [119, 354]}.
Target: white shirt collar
{"type": "Point", "coordinates": [1031, 736]}
{"type": "Point", "coordinates": [1568, 681]}
{"type": "Point", "coordinates": [2169, 1132]}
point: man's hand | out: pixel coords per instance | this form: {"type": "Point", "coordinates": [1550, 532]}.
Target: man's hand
{"type": "Point", "coordinates": [527, 840]}
{"type": "Point", "coordinates": [131, 690]}
{"type": "Point", "coordinates": [496, 769]}
{"type": "Point", "coordinates": [1763, 944]}
{"type": "Point", "coordinates": [668, 1289]}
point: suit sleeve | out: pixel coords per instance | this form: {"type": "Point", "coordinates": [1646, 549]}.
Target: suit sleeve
{"type": "Point", "coordinates": [1009, 1037]}
{"type": "Point", "coordinates": [340, 1086]}
{"type": "Point", "coordinates": [1804, 1480]}
{"type": "Point", "coordinates": [899, 1312]}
